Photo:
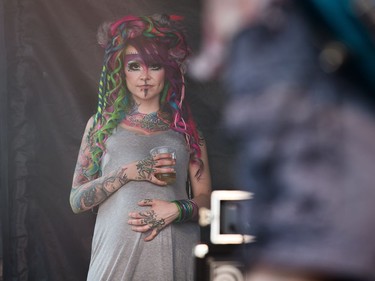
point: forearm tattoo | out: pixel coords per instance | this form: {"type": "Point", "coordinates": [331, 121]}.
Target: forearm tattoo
{"type": "Point", "coordinates": [152, 221]}
{"type": "Point", "coordinates": [145, 168]}
{"type": "Point", "coordinates": [80, 170]}
{"type": "Point", "coordinates": [96, 191]}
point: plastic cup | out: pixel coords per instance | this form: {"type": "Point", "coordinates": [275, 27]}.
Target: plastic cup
{"type": "Point", "coordinates": [169, 178]}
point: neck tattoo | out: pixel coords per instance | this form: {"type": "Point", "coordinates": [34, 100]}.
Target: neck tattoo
{"type": "Point", "coordinates": [148, 122]}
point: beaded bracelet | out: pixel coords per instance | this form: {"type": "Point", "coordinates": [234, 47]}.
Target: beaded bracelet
{"type": "Point", "coordinates": [187, 210]}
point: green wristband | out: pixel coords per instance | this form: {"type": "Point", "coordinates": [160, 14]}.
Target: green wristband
{"type": "Point", "coordinates": [178, 219]}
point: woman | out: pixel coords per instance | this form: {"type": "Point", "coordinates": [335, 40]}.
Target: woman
{"type": "Point", "coordinates": [145, 228]}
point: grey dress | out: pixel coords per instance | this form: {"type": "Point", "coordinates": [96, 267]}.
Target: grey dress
{"type": "Point", "coordinates": [118, 253]}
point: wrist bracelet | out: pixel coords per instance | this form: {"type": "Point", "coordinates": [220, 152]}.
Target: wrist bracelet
{"type": "Point", "coordinates": [187, 209]}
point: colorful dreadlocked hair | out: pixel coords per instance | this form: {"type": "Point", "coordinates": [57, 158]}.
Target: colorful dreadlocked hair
{"type": "Point", "coordinates": [158, 38]}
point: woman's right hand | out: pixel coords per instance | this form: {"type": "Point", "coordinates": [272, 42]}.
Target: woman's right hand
{"type": "Point", "coordinates": [147, 168]}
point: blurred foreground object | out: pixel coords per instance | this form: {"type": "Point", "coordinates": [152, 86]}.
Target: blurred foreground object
{"type": "Point", "coordinates": [222, 20]}
{"type": "Point", "coordinates": [344, 30]}
{"type": "Point", "coordinates": [226, 217]}
{"type": "Point", "coordinates": [218, 258]}
{"type": "Point", "coordinates": [301, 111]}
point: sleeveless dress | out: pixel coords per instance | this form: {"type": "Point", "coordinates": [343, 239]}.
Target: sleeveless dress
{"type": "Point", "coordinates": [120, 254]}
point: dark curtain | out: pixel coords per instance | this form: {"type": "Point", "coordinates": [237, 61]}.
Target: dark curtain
{"type": "Point", "coordinates": [50, 65]}
{"type": "Point", "coordinates": [4, 235]}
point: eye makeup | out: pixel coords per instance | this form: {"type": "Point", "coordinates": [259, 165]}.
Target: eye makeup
{"type": "Point", "coordinates": [134, 62]}
{"type": "Point", "coordinates": [133, 66]}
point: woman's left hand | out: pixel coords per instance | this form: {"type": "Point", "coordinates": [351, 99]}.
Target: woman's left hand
{"type": "Point", "coordinates": [154, 219]}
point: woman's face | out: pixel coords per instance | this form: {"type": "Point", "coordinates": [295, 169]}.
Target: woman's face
{"type": "Point", "coordinates": [145, 82]}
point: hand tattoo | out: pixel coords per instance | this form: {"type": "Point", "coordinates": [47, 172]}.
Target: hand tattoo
{"type": "Point", "coordinates": [152, 221]}
{"type": "Point", "coordinates": [145, 168]}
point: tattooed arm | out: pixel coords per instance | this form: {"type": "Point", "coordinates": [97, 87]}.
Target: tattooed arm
{"type": "Point", "coordinates": [87, 192]}
{"type": "Point", "coordinates": [201, 186]}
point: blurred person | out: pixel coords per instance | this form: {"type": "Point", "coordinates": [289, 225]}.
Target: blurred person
{"type": "Point", "coordinates": [301, 112]}
{"type": "Point", "coordinates": [145, 227]}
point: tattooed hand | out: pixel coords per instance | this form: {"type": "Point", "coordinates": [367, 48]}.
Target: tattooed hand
{"type": "Point", "coordinates": [147, 168]}
{"type": "Point", "coordinates": [153, 220]}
